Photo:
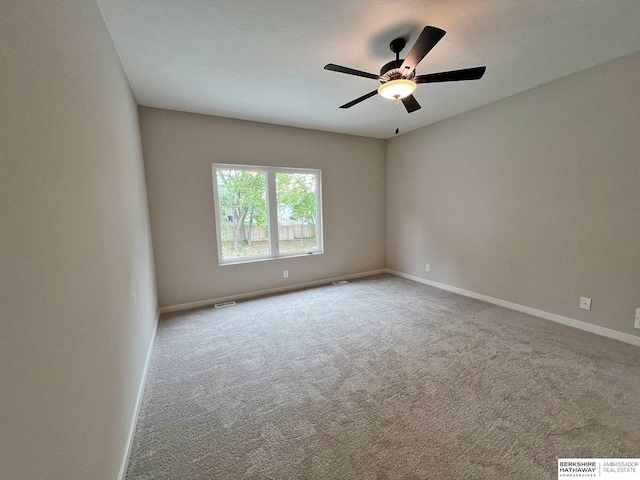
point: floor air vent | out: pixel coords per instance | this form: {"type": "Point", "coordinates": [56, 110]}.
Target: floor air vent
{"type": "Point", "coordinates": [339, 282]}
{"type": "Point", "coordinates": [224, 304]}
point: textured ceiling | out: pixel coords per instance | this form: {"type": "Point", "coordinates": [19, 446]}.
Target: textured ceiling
{"type": "Point", "coordinates": [263, 60]}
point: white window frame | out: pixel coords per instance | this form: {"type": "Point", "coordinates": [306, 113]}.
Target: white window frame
{"type": "Point", "coordinates": [272, 212]}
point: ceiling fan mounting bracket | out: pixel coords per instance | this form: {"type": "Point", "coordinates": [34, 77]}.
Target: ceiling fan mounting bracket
{"type": "Point", "coordinates": [397, 45]}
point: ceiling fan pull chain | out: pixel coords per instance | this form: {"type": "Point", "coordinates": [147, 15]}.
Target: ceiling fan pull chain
{"type": "Point", "coordinates": [397, 116]}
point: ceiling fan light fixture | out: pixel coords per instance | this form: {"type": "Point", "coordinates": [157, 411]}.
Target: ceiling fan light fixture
{"type": "Point", "coordinates": [400, 88]}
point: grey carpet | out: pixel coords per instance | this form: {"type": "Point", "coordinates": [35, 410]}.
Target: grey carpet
{"type": "Point", "coordinates": [382, 378]}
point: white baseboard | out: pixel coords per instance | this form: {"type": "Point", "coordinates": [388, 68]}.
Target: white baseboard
{"type": "Point", "coordinates": [571, 322]}
{"type": "Point", "coordinates": [269, 291]}
{"type": "Point", "coordinates": [136, 410]}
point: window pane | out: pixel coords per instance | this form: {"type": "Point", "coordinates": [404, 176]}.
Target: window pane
{"type": "Point", "coordinates": [242, 200]}
{"type": "Point", "coordinates": [297, 212]}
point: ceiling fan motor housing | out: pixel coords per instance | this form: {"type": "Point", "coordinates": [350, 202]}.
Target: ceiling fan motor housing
{"type": "Point", "coordinates": [391, 71]}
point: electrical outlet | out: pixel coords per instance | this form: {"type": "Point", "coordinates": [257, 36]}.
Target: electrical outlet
{"type": "Point", "coordinates": [286, 274]}
{"type": "Point", "coordinates": [426, 267]}
{"type": "Point", "coordinates": [585, 303]}
{"type": "Point", "coordinates": [637, 325]}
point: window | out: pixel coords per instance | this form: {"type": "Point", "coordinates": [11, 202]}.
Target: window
{"type": "Point", "coordinates": [266, 212]}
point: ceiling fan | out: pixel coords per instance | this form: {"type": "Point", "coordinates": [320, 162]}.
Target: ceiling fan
{"type": "Point", "coordinates": [398, 77]}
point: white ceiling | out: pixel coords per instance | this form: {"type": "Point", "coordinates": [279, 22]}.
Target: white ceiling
{"type": "Point", "coordinates": [263, 60]}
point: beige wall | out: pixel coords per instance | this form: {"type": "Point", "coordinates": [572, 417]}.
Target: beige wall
{"type": "Point", "coordinates": [76, 274]}
{"type": "Point", "coordinates": [179, 149]}
{"type": "Point", "coordinates": [534, 199]}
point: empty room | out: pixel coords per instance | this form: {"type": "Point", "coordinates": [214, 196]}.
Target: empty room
{"type": "Point", "coordinates": [289, 239]}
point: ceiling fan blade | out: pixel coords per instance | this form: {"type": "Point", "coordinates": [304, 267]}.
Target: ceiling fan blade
{"type": "Point", "coordinates": [452, 76]}
{"type": "Point", "coordinates": [428, 39]}
{"type": "Point", "coordinates": [350, 71]}
{"type": "Point", "coordinates": [411, 104]}
{"type": "Point", "coordinates": [358, 100]}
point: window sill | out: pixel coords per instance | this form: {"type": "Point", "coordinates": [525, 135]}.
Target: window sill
{"type": "Point", "coordinates": [266, 259]}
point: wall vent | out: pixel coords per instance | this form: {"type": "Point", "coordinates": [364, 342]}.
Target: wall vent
{"type": "Point", "coordinates": [225, 304]}
{"type": "Point", "coordinates": [339, 282]}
